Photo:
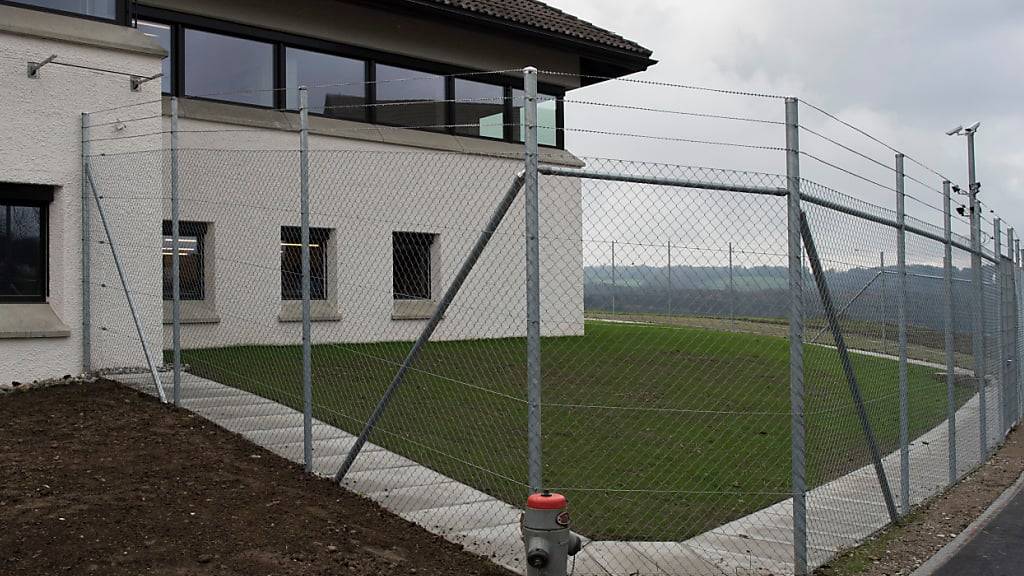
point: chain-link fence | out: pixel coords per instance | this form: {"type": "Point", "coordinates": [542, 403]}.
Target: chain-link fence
{"type": "Point", "coordinates": [447, 332]}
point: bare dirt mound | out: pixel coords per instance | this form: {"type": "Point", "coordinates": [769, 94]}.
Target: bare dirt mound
{"type": "Point", "coordinates": [98, 479]}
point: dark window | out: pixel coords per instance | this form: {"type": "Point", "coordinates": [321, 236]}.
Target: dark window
{"type": "Point", "coordinates": [106, 9]}
{"type": "Point", "coordinates": [547, 117]}
{"type": "Point", "coordinates": [419, 97]}
{"type": "Point", "coordinates": [22, 249]}
{"type": "Point", "coordinates": [479, 109]}
{"type": "Point", "coordinates": [411, 265]}
{"type": "Point", "coordinates": [291, 263]}
{"type": "Point", "coordinates": [161, 33]}
{"type": "Point", "coordinates": [229, 68]}
{"type": "Point", "coordinates": [191, 260]}
{"type": "Point", "coordinates": [345, 99]}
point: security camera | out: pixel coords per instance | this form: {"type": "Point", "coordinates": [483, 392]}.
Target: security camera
{"type": "Point", "coordinates": [955, 131]}
{"type": "Point", "coordinates": [973, 127]}
{"type": "Point", "coordinates": [956, 189]}
{"type": "Point", "coordinates": [961, 210]}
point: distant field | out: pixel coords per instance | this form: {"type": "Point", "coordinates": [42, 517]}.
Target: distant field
{"type": "Point", "coordinates": [654, 432]}
{"type": "Point", "coordinates": [922, 343]}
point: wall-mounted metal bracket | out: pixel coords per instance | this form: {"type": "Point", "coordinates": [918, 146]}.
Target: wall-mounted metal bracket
{"type": "Point", "coordinates": [33, 67]}
{"type": "Point", "coordinates": [137, 81]}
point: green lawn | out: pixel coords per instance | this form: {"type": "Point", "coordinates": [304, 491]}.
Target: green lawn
{"type": "Point", "coordinates": [654, 432]}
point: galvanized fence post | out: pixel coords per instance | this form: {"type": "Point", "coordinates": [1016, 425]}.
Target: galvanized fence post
{"type": "Point", "coordinates": [947, 281]}
{"type": "Point", "coordinates": [533, 371]}
{"type": "Point", "coordinates": [86, 254]}
{"type": "Point", "coordinates": [885, 320]}
{"type": "Point", "coordinates": [798, 460]}
{"type": "Point", "coordinates": [307, 351]}
{"type": "Point", "coordinates": [997, 251]}
{"type": "Point", "coordinates": [669, 277]}
{"type": "Point", "coordinates": [175, 256]}
{"type": "Point", "coordinates": [613, 277]}
{"type": "Point", "coordinates": [978, 311]}
{"type": "Point", "coordinates": [901, 317]}
{"type": "Point", "coordinates": [732, 292]}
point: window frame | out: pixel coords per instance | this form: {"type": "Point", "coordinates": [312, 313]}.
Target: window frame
{"type": "Point", "coordinates": [44, 246]}
{"type": "Point", "coordinates": [281, 41]}
{"type": "Point", "coordinates": [316, 235]}
{"type": "Point", "coordinates": [122, 11]}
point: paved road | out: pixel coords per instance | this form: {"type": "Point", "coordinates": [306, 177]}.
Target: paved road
{"type": "Point", "coordinates": [997, 550]}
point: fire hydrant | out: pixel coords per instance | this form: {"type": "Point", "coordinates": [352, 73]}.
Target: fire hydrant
{"type": "Point", "coordinates": [546, 534]}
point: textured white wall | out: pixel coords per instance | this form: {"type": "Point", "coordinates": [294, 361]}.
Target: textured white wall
{"type": "Point", "coordinates": [40, 141]}
{"type": "Point", "coordinates": [362, 191]}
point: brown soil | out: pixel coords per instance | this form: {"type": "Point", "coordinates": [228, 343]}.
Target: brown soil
{"type": "Point", "coordinates": [901, 549]}
{"type": "Point", "coordinates": [97, 479]}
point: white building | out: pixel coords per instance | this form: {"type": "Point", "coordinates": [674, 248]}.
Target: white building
{"type": "Point", "coordinates": [394, 209]}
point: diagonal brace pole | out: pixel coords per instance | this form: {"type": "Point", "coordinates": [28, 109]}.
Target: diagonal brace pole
{"type": "Point", "coordinates": [842, 311]}
{"type": "Point", "coordinates": [124, 284]}
{"type": "Point", "coordinates": [435, 318]}
{"type": "Point", "coordinates": [844, 357]}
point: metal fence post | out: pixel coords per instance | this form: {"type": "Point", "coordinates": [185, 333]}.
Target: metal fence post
{"type": "Point", "coordinates": [978, 310]}
{"type": "Point", "coordinates": [307, 350]}
{"type": "Point", "coordinates": [86, 254]}
{"type": "Point", "coordinates": [669, 277]}
{"type": "Point", "coordinates": [613, 277]}
{"type": "Point", "coordinates": [947, 281]}
{"type": "Point", "coordinates": [881, 264]}
{"type": "Point", "coordinates": [997, 250]}
{"type": "Point", "coordinates": [732, 292]}
{"type": "Point", "coordinates": [901, 317]}
{"type": "Point", "coordinates": [1009, 332]}
{"type": "Point", "coordinates": [533, 371]}
{"type": "Point", "coordinates": [175, 256]}
{"type": "Point", "coordinates": [796, 337]}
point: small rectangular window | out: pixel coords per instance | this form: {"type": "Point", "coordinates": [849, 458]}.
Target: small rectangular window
{"type": "Point", "coordinates": [161, 34]}
{"type": "Point", "coordinates": [22, 251]}
{"type": "Point", "coordinates": [337, 85]}
{"type": "Point", "coordinates": [547, 117]}
{"type": "Point", "coordinates": [410, 98]}
{"type": "Point", "coordinates": [228, 68]}
{"type": "Point", "coordinates": [106, 9]}
{"type": "Point", "coordinates": [411, 267]}
{"type": "Point", "coordinates": [479, 109]}
{"type": "Point", "coordinates": [291, 263]}
{"type": "Point", "coordinates": [191, 260]}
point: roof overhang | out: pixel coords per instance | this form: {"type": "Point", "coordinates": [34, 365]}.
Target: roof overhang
{"type": "Point", "coordinates": [597, 60]}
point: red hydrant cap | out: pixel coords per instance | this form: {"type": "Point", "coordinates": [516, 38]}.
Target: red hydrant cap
{"type": "Point", "coordinates": [546, 501]}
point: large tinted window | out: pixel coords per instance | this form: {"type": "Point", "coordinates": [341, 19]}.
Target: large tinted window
{"type": "Point", "coordinates": [97, 8]}
{"type": "Point", "coordinates": [228, 68]}
{"type": "Point", "coordinates": [479, 109]}
{"type": "Point", "coordinates": [417, 98]}
{"type": "Point", "coordinates": [345, 99]}
{"type": "Point", "coordinates": [161, 33]}
{"type": "Point", "coordinates": [547, 116]}
{"type": "Point", "coordinates": [22, 251]}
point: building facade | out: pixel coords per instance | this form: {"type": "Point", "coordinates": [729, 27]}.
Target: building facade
{"type": "Point", "coordinates": [415, 134]}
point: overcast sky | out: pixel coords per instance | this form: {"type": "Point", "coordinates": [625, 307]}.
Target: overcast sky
{"type": "Point", "coordinates": [905, 71]}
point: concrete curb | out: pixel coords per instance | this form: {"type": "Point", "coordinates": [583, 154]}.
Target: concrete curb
{"type": "Point", "coordinates": [947, 552]}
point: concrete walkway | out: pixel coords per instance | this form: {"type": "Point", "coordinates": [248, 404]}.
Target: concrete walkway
{"type": "Point", "coordinates": [841, 513]}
